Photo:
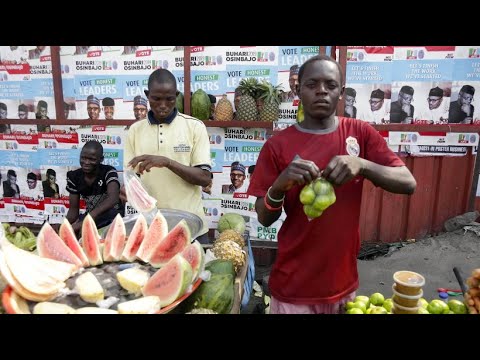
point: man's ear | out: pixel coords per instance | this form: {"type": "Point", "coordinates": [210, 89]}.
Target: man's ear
{"type": "Point", "coordinates": [101, 159]}
{"type": "Point", "coordinates": [177, 93]}
{"type": "Point", "coordinates": [342, 92]}
{"type": "Point", "coordinates": [146, 92]}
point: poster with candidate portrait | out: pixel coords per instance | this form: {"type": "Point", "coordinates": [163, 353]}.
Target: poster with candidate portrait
{"type": "Point", "coordinates": [464, 106]}
{"type": "Point", "coordinates": [368, 83]}
{"type": "Point", "coordinates": [19, 159]}
{"type": "Point", "coordinates": [421, 84]}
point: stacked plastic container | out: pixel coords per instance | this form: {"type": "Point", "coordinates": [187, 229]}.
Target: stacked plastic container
{"type": "Point", "coordinates": [407, 290]}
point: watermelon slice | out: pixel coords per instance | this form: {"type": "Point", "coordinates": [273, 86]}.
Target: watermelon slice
{"type": "Point", "coordinates": [170, 282]}
{"type": "Point", "coordinates": [175, 241]}
{"type": "Point", "coordinates": [195, 256]}
{"type": "Point", "coordinates": [68, 236]}
{"type": "Point", "coordinates": [156, 232]}
{"type": "Point", "coordinates": [115, 240]}
{"type": "Point", "coordinates": [50, 246]}
{"type": "Point", "coordinates": [135, 239]}
{"type": "Point", "coordinates": [91, 241]}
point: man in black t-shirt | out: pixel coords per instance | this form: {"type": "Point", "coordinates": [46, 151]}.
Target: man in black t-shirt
{"type": "Point", "coordinates": [97, 184]}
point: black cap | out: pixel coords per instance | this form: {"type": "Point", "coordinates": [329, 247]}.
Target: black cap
{"type": "Point", "coordinates": [407, 90]}
{"type": "Point", "coordinates": [377, 94]}
{"type": "Point", "coordinates": [469, 89]}
{"type": "Point", "coordinates": [350, 92]}
{"type": "Point", "coordinates": [436, 91]}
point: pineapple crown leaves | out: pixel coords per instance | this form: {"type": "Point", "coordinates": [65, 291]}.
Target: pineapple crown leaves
{"type": "Point", "coordinates": [270, 93]}
{"type": "Point", "coordinates": [249, 87]}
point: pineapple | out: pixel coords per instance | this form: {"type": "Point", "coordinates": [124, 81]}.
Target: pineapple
{"type": "Point", "coordinates": [224, 110]}
{"type": "Point", "coordinates": [230, 250]}
{"type": "Point", "coordinates": [247, 108]}
{"type": "Point", "coordinates": [232, 235]}
{"type": "Point", "coordinates": [271, 97]}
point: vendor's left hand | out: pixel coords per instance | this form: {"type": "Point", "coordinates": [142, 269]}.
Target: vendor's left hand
{"type": "Point", "coordinates": [146, 162]}
{"type": "Point", "coordinates": [343, 168]}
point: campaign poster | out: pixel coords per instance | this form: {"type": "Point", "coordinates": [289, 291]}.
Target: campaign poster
{"type": "Point", "coordinates": [68, 81]}
{"type": "Point", "coordinates": [464, 106]}
{"type": "Point", "coordinates": [19, 166]}
{"type": "Point", "coordinates": [368, 83]}
{"type": "Point", "coordinates": [421, 84]}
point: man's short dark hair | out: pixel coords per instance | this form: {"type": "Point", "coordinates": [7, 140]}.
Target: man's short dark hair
{"type": "Point", "coordinates": [321, 57]}
{"type": "Point", "coordinates": [42, 103]}
{"type": "Point", "coordinates": [350, 92]}
{"type": "Point", "coordinates": [162, 76]}
{"type": "Point", "coordinates": [212, 98]}
{"type": "Point", "coordinates": [11, 172]}
{"type": "Point", "coordinates": [95, 145]}
{"type": "Point", "coordinates": [3, 106]}
{"type": "Point", "coordinates": [31, 176]}
{"type": "Point", "coordinates": [51, 172]}
{"type": "Point", "coordinates": [108, 101]}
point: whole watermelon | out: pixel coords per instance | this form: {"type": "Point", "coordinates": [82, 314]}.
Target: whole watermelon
{"type": "Point", "coordinates": [231, 221]}
{"type": "Point", "coordinates": [200, 105]}
{"type": "Point", "coordinates": [217, 294]}
{"type": "Point", "coordinates": [179, 103]}
{"type": "Point", "coordinates": [219, 267]}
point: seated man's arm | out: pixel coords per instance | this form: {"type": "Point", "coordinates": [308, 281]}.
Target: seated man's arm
{"type": "Point", "coordinates": [113, 190]}
{"type": "Point", "coordinates": [74, 210]}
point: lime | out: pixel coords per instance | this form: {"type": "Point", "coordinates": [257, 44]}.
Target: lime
{"type": "Point", "coordinates": [311, 212]}
{"type": "Point", "coordinates": [457, 306]}
{"type": "Point", "coordinates": [307, 195]}
{"type": "Point", "coordinates": [321, 202]}
{"type": "Point", "coordinates": [322, 187]}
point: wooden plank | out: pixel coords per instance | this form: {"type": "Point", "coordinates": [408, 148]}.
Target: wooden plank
{"type": "Point", "coordinates": [451, 190]}
{"type": "Point", "coordinates": [393, 217]}
{"type": "Point", "coordinates": [369, 211]}
{"type": "Point", "coordinates": [419, 216]}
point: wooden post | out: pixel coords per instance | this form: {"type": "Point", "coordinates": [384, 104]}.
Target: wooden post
{"type": "Point", "coordinates": [186, 78]}
{"type": "Point", "coordinates": [57, 82]}
{"type": "Point", "coordinates": [343, 64]}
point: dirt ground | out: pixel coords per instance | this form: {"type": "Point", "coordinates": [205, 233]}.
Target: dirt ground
{"type": "Point", "coordinates": [433, 257]}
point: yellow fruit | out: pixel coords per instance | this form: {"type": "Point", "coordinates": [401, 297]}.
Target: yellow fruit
{"type": "Point", "coordinates": [143, 305]}
{"type": "Point", "coordinates": [423, 303]}
{"type": "Point", "coordinates": [89, 288]}
{"type": "Point", "coordinates": [232, 235]}
{"type": "Point", "coordinates": [360, 305]}
{"type": "Point", "coordinates": [437, 307]}
{"type": "Point", "coordinates": [307, 195]}
{"type": "Point", "coordinates": [422, 310]}
{"type": "Point", "coordinates": [133, 280]}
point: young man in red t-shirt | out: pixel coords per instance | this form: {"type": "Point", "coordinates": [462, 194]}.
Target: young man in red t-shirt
{"type": "Point", "coordinates": [316, 266]}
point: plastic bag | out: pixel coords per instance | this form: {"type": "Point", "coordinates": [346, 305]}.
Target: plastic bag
{"type": "Point", "coordinates": [137, 196]}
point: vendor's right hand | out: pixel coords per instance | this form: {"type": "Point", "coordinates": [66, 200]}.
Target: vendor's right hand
{"type": "Point", "coordinates": [298, 172]}
{"type": "Point", "coordinates": [146, 162]}
{"type": "Point", "coordinates": [123, 194]}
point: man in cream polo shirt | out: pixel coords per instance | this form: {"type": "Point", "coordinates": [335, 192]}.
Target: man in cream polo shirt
{"type": "Point", "coordinates": [170, 150]}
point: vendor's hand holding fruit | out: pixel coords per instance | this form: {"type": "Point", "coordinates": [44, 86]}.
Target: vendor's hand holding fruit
{"type": "Point", "coordinates": [341, 169]}
{"type": "Point", "coordinates": [299, 172]}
